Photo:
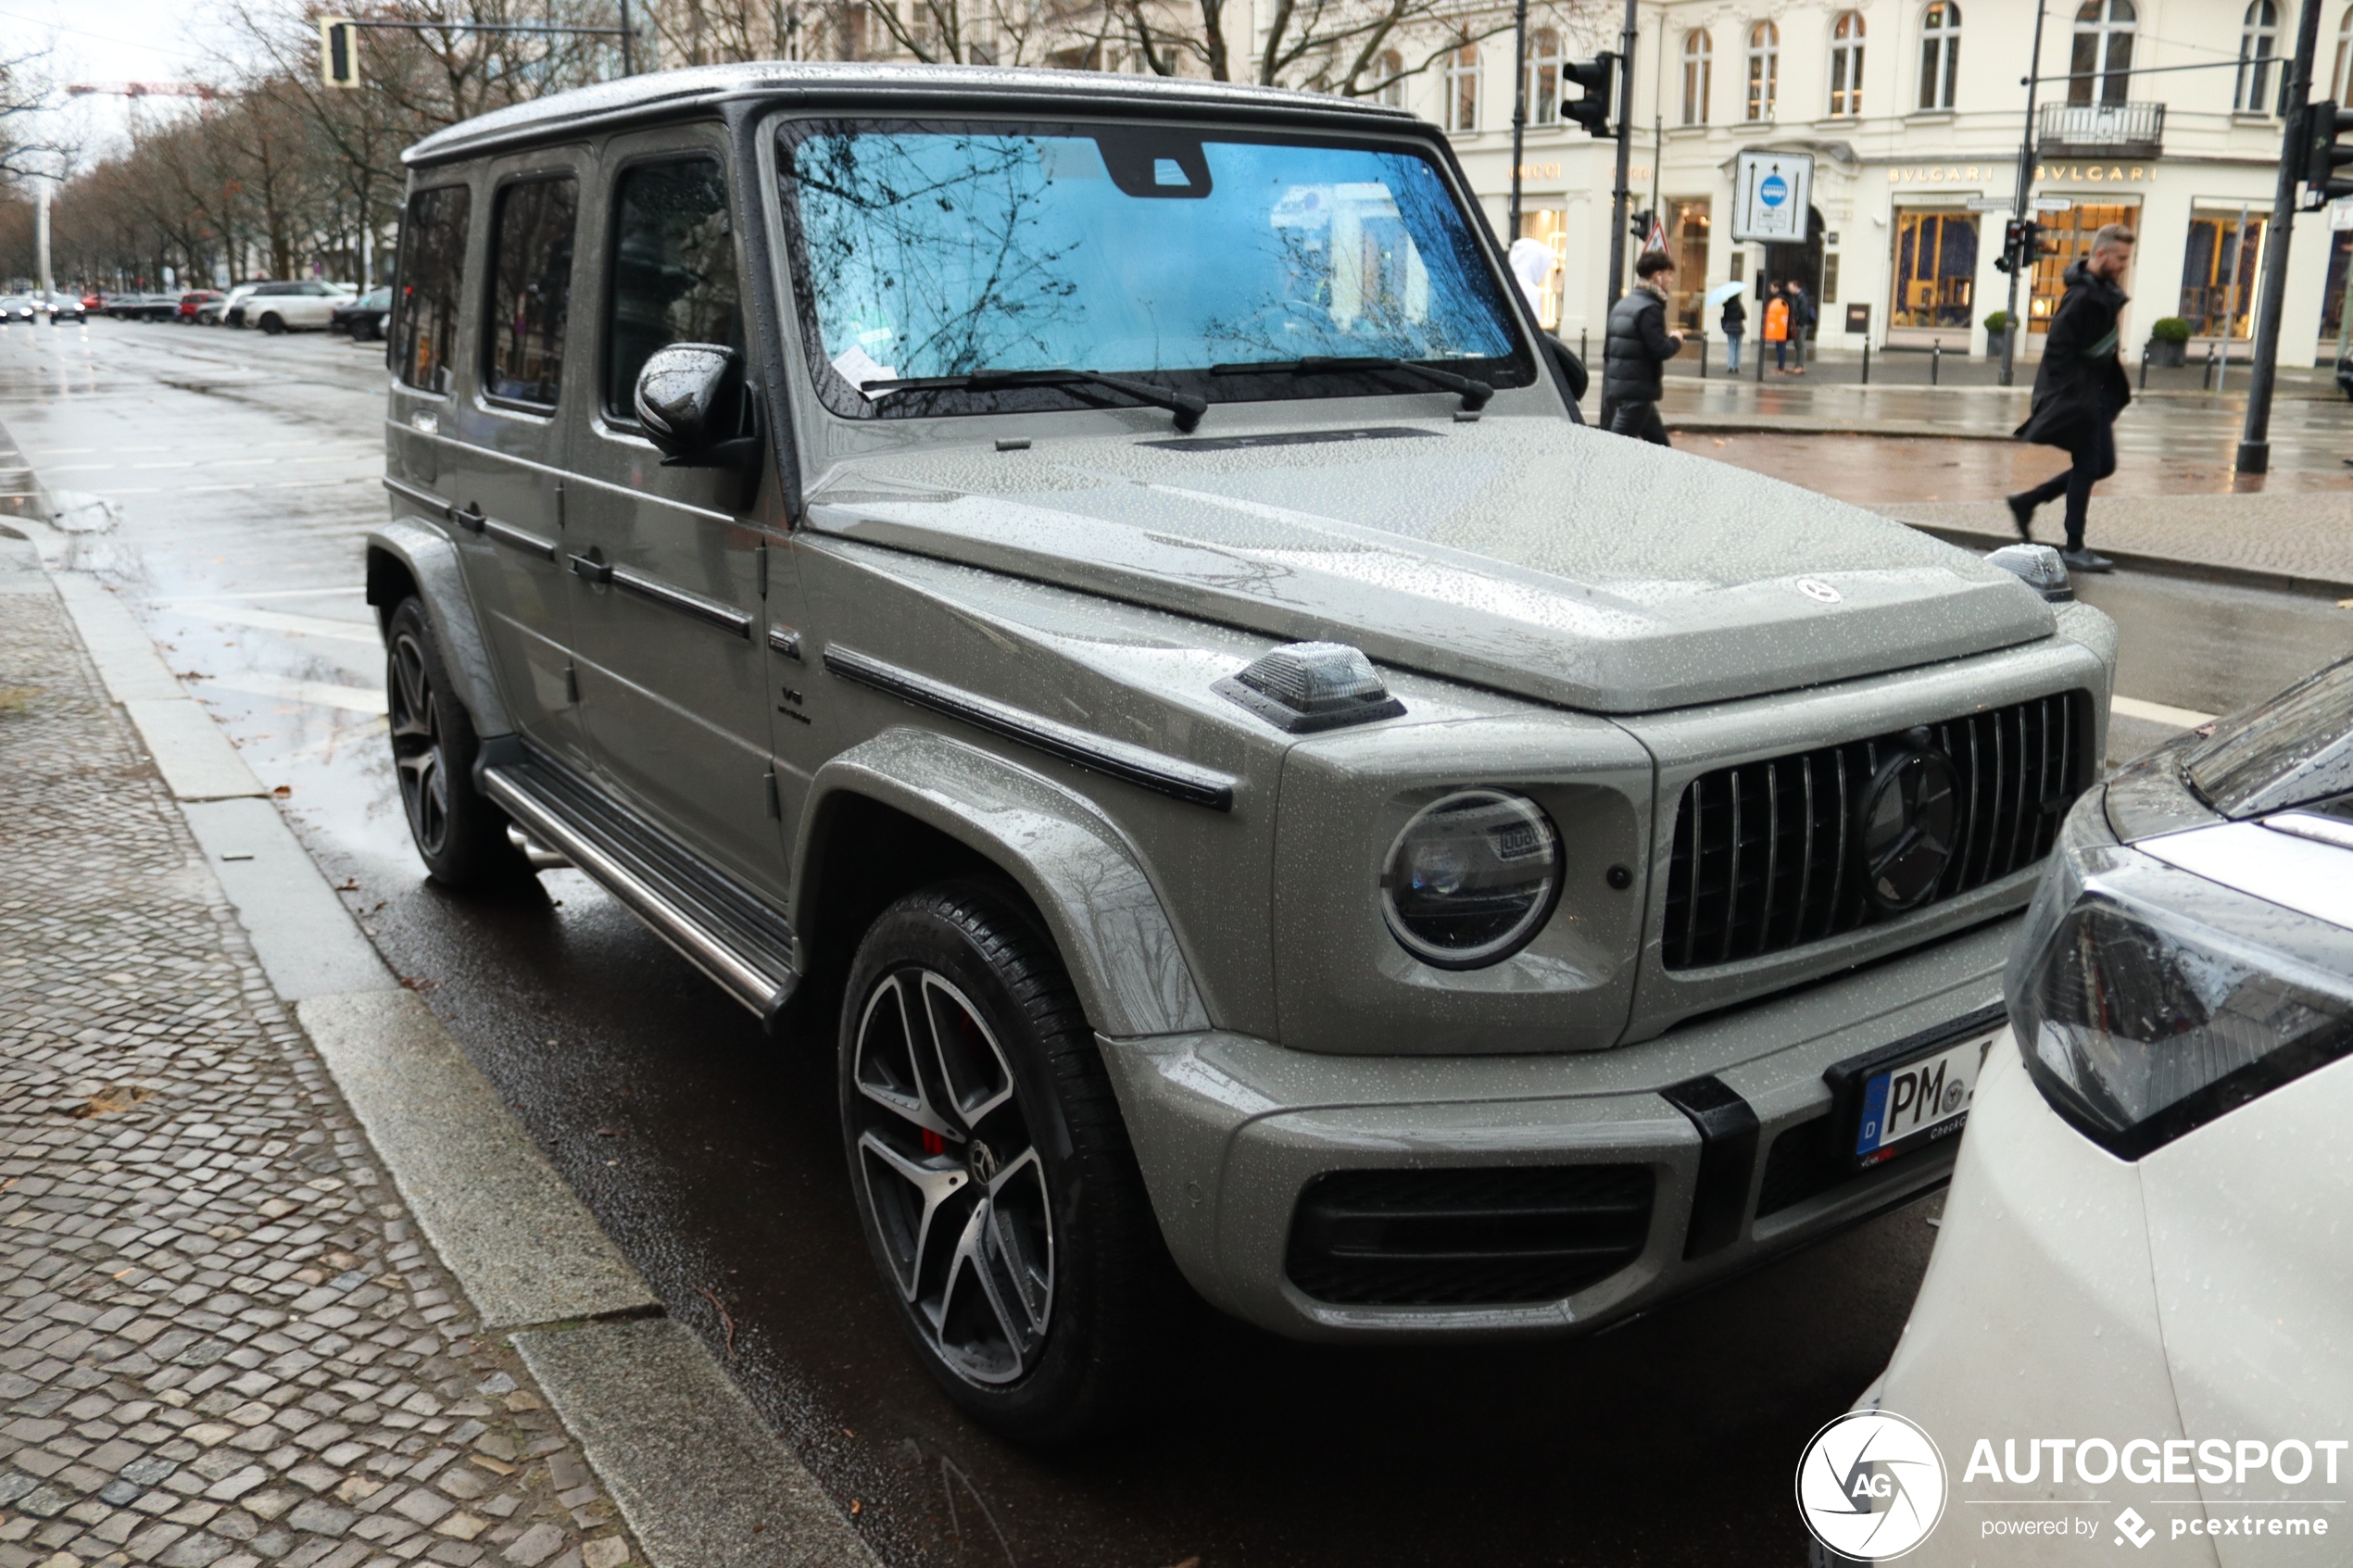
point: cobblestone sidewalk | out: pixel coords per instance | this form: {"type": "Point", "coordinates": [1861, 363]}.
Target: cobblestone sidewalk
{"type": "Point", "coordinates": [222, 1342]}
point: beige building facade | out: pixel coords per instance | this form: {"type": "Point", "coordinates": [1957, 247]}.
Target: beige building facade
{"type": "Point", "coordinates": [1915, 116]}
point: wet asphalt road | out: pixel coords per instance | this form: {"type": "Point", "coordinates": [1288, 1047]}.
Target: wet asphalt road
{"type": "Point", "coordinates": [223, 482]}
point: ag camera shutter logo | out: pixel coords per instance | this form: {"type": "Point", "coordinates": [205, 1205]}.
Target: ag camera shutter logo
{"type": "Point", "coordinates": [1871, 1485]}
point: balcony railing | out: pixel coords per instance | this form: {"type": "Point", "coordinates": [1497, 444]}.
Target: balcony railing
{"type": "Point", "coordinates": [2102, 130]}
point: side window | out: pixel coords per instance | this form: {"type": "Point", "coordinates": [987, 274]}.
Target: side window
{"type": "Point", "coordinates": [433, 262]}
{"type": "Point", "coordinates": [530, 291]}
{"type": "Point", "coordinates": [673, 271]}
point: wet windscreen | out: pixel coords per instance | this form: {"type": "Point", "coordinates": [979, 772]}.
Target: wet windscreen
{"type": "Point", "coordinates": [929, 251]}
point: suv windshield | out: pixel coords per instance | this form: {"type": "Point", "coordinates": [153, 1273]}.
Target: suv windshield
{"type": "Point", "coordinates": [1211, 262]}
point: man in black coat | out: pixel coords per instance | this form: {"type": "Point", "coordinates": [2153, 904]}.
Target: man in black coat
{"type": "Point", "coordinates": [1637, 344]}
{"type": "Point", "coordinates": [2079, 390]}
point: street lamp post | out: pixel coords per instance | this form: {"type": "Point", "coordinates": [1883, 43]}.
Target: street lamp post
{"type": "Point", "coordinates": [1519, 101]}
{"type": "Point", "coordinates": [2022, 208]}
{"type": "Point", "coordinates": [2255, 441]}
{"type": "Point", "coordinates": [1620, 197]}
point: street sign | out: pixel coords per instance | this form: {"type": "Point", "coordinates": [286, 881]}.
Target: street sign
{"type": "Point", "coordinates": [1991, 204]}
{"type": "Point", "coordinates": [2054, 203]}
{"type": "Point", "coordinates": [2341, 213]}
{"type": "Point", "coordinates": [1772, 194]}
{"type": "Point", "coordinates": [338, 52]}
{"type": "Point", "coordinates": [1858, 317]}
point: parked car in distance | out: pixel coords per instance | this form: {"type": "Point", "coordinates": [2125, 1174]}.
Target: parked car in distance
{"type": "Point", "coordinates": [65, 307]}
{"type": "Point", "coordinates": [2144, 1237]}
{"type": "Point", "coordinates": [93, 301]}
{"type": "Point", "coordinates": [19, 308]}
{"type": "Point", "coordinates": [194, 301]}
{"type": "Point", "coordinates": [363, 318]}
{"type": "Point", "coordinates": [143, 306]}
{"type": "Point", "coordinates": [296, 306]}
{"type": "Point", "coordinates": [1262, 802]}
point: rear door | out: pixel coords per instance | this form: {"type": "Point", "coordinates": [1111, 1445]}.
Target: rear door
{"type": "Point", "coordinates": [672, 566]}
{"type": "Point", "coordinates": [498, 435]}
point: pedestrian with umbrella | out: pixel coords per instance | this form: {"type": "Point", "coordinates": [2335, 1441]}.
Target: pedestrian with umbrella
{"type": "Point", "coordinates": [1736, 321]}
{"type": "Point", "coordinates": [2079, 390]}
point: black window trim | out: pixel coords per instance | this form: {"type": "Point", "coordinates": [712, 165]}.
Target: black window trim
{"type": "Point", "coordinates": [489, 326]}
{"type": "Point", "coordinates": [623, 422]}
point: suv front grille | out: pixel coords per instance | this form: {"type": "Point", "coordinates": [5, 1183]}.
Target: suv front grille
{"type": "Point", "coordinates": [1764, 860]}
{"type": "Point", "coordinates": [1490, 1237]}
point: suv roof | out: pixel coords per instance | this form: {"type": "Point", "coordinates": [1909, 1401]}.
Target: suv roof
{"type": "Point", "coordinates": [666, 93]}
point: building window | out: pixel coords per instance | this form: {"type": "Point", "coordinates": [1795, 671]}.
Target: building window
{"type": "Point", "coordinates": [1941, 54]}
{"type": "Point", "coordinates": [1936, 268]}
{"type": "Point", "coordinates": [1462, 89]}
{"type": "Point", "coordinates": [2259, 49]}
{"type": "Point", "coordinates": [2102, 71]}
{"type": "Point", "coordinates": [1389, 71]}
{"type": "Point", "coordinates": [1549, 228]}
{"type": "Point", "coordinates": [1846, 63]}
{"type": "Point", "coordinates": [1687, 227]}
{"type": "Point", "coordinates": [2219, 271]}
{"type": "Point", "coordinates": [1699, 69]}
{"type": "Point", "coordinates": [1764, 68]}
{"type": "Point", "coordinates": [2066, 239]}
{"type": "Point", "coordinates": [1544, 76]}
{"type": "Point", "coordinates": [2337, 78]}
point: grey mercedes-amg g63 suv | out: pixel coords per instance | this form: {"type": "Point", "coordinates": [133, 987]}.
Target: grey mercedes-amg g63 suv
{"type": "Point", "coordinates": [1095, 590]}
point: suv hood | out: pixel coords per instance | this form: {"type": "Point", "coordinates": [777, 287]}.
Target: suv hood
{"type": "Point", "coordinates": [1527, 555]}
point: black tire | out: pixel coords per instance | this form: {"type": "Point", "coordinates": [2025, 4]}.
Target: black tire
{"type": "Point", "coordinates": [459, 834]}
{"type": "Point", "coordinates": [1023, 1161]}
{"type": "Point", "coordinates": [273, 325]}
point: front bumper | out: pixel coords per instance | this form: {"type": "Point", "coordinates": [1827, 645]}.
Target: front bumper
{"type": "Point", "coordinates": [1231, 1131]}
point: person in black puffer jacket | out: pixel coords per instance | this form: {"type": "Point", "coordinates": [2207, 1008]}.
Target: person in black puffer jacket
{"type": "Point", "coordinates": [1637, 343]}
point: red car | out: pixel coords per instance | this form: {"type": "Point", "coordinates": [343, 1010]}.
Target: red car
{"type": "Point", "coordinates": [94, 300]}
{"type": "Point", "coordinates": [191, 302]}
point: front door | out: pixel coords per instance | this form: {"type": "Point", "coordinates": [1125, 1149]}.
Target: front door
{"type": "Point", "coordinates": [671, 572]}
{"type": "Point", "coordinates": [501, 443]}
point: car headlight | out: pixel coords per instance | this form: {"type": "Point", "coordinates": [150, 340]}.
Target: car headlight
{"type": "Point", "coordinates": [1472, 878]}
{"type": "Point", "coordinates": [2154, 1001]}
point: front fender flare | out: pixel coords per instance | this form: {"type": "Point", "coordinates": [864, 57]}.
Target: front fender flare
{"type": "Point", "coordinates": [430, 561]}
{"type": "Point", "coordinates": [1074, 864]}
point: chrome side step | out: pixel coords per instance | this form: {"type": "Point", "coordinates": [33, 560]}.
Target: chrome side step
{"type": "Point", "coordinates": [753, 967]}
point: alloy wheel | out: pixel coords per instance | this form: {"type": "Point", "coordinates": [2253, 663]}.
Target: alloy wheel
{"type": "Point", "coordinates": [952, 1178]}
{"type": "Point", "coordinates": [417, 749]}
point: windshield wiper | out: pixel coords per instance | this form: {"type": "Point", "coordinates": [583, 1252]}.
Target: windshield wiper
{"type": "Point", "coordinates": [1184, 405]}
{"type": "Point", "coordinates": [1475, 393]}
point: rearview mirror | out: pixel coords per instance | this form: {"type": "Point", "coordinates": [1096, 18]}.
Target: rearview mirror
{"type": "Point", "coordinates": [691, 399]}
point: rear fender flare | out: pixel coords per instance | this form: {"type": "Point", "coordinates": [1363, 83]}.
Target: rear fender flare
{"type": "Point", "coordinates": [428, 559]}
{"type": "Point", "coordinates": [1074, 864]}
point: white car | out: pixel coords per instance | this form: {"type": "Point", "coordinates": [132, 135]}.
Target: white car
{"type": "Point", "coordinates": [278, 307]}
{"type": "Point", "coordinates": [2136, 1328]}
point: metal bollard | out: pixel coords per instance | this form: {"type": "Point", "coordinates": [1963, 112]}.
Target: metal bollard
{"type": "Point", "coordinates": [1584, 355]}
{"type": "Point", "coordinates": [2206, 377]}
{"type": "Point", "coordinates": [1936, 362]}
{"type": "Point", "coordinates": [1703, 358]}
{"type": "Point", "coordinates": [1761, 361]}
{"type": "Point", "coordinates": [2145, 369]}
{"type": "Point", "coordinates": [1867, 361]}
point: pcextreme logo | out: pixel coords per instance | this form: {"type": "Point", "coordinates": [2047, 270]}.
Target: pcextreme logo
{"type": "Point", "coordinates": [1870, 1486]}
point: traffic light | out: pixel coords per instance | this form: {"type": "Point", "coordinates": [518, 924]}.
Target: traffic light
{"type": "Point", "coordinates": [1639, 225]}
{"type": "Point", "coordinates": [2021, 247]}
{"type": "Point", "coordinates": [1592, 79]}
{"type": "Point", "coordinates": [2324, 154]}
{"type": "Point", "coordinates": [338, 52]}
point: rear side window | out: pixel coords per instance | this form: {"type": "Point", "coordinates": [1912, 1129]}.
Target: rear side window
{"type": "Point", "coordinates": [530, 289]}
{"type": "Point", "coordinates": [673, 271]}
{"type": "Point", "coordinates": [433, 262]}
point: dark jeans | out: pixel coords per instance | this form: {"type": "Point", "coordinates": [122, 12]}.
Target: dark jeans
{"type": "Point", "coordinates": [1780, 355]}
{"type": "Point", "coordinates": [1639, 420]}
{"type": "Point", "coordinates": [2095, 455]}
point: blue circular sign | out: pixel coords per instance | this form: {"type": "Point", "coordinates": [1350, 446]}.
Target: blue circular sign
{"type": "Point", "coordinates": [1773, 190]}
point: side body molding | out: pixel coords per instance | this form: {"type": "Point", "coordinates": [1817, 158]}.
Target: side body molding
{"type": "Point", "coordinates": [1124, 954]}
{"type": "Point", "coordinates": [432, 563]}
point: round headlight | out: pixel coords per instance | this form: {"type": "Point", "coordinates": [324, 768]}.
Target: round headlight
{"type": "Point", "coordinates": [1472, 878]}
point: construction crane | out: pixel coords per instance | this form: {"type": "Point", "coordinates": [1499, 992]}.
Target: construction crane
{"type": "Point", "coordinates": [144, 90]}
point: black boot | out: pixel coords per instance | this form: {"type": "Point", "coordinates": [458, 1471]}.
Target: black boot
{"type": "Point", "coordinates": [2022, 512]}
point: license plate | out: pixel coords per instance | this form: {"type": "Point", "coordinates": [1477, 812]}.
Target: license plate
{"type": "Point", "coordinates": [1910, 1104]}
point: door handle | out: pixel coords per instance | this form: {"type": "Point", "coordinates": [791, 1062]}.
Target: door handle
{"type": "Point", "coordinates": [595, 571]}
{"type": "Point", "coordinates": [466, 516]}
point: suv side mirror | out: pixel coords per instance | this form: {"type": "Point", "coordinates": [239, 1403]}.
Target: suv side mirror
{"type": "Point", "coordinates": [691, 400]}
{"type": "Point", "coordinates": [1571, 371]}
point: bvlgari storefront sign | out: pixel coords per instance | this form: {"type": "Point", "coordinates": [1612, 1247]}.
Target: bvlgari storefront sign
{"type": "Point", "coordinates": [1978, 173]}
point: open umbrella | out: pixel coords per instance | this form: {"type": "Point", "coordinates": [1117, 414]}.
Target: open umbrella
{"type": "Point", "coordinates": [1723, 292]}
